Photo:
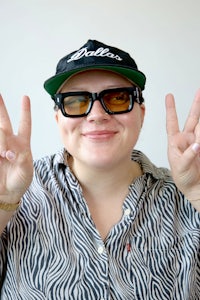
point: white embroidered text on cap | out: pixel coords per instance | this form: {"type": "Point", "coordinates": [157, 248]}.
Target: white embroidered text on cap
{"type": "Point", "coordinates": [102, 52]}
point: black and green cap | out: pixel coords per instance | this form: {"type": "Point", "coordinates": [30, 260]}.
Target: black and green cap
{"type": "Point", "coordinates": [95, 55]}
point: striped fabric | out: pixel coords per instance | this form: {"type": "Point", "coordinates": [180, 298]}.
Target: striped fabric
{"type": "Point", "coordinates": [54, 251]}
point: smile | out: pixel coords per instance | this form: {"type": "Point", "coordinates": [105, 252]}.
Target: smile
{"type": "Point", "coordinates": [100, 134]}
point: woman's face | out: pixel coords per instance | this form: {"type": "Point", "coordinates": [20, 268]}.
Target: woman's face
{"type": "Point", "coordinates": [100, 140]}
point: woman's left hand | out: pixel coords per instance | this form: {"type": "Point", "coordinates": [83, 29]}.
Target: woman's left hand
{"type": "Point", "coordinates": [184, 149]}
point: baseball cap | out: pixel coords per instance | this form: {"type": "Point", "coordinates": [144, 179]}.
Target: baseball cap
{"type": "Point", "coordinates": [95, 55]}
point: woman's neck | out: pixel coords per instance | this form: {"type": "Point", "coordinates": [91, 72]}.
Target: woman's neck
{"type": "Point", "coordinates": [105, 191]}
{"type": "Point", "coordinates": [98, 181]}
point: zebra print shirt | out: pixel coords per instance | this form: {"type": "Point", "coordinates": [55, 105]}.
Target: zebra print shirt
{"type": "Point", "coordinates": [51, 249]}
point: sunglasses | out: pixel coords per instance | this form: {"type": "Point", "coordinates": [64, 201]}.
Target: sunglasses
{"type": "Point", "coordinates": [113, 101]}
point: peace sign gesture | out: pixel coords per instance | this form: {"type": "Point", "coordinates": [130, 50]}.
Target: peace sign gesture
{"type": "Point", "coordinates": [184, 149]}
{"type": "Point", "coordinates": [16, 166]}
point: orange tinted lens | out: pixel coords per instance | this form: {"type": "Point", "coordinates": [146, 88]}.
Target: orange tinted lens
{"type": "Point", "coordinates": [76, 105]}
{"type": "Point", "coordinates": [117, 101]}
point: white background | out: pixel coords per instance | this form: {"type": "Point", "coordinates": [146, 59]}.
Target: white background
{"type": "Point", "coordinates": [162, 36]}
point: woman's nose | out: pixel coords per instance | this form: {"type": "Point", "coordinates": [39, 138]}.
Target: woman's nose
{"type": "Point", "coordinates": [97, 113]}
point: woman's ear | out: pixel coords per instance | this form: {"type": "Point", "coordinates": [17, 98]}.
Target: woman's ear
{"type": "Point", "coordinates": [142, 111]}
{"type": "Point", "coordinates": [56, 116]}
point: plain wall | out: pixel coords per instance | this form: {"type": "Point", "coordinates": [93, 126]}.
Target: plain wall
{"type": "Point", "coordinates": [162, 36]}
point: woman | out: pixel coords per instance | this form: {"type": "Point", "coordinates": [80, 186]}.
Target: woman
{"type": "Point", "coordinates": [99, 220]}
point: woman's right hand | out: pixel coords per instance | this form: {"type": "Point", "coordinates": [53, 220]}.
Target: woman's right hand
{"type": "Point", "coordinates": [16, 163]}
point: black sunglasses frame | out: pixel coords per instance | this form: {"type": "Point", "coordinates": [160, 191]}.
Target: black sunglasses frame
{"type": "Point", "coordinates": [134, 93]}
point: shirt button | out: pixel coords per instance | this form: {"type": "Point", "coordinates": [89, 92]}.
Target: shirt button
{"type": "Point", "coordinates": [100, 249]}
{"type": "Point", "coordinates": [127, 212]}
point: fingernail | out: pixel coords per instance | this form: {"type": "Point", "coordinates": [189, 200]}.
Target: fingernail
{"type": "Point", "coordinates": [10, 155]}
{"type": "Point", "coordinates": [196, 147]}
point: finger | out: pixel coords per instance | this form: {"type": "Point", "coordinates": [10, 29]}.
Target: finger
{"type": "Point", "coordinates": [196, 145]}
{"type": "Point", "coordinates": [193, 151]}
{"type": "Point", "coordinates": [194, 114]}
{"type": "Point", "coordinates": [25, 120]}
{"type": "Point", "coordinates": [171, 116]}
{"type": "Point", "coordinates": [5, 123]}
{"type": "Point", "coordinates": [189, 155]}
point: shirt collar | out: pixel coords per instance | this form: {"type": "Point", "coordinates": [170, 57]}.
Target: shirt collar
{"type": "Point", "coordinates": [148, 167]}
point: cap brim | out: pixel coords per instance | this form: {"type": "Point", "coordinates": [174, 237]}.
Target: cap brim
{"type": "Point", "coordinates": [52, 84]}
